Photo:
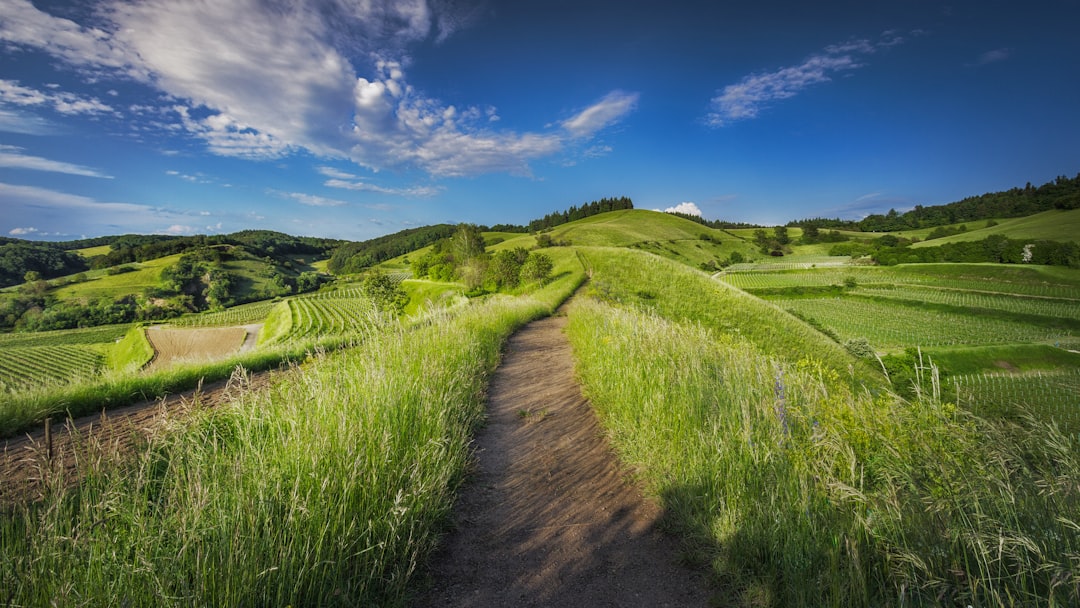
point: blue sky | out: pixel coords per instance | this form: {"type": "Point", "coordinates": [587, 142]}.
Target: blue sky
{"type": "Point", "coordinates": [356, 118]}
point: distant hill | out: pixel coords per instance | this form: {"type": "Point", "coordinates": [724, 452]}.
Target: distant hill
{"type": "Point", "coordinates": [1062, 194]}
{"type": "Point", "coordinates": [1054, 225]}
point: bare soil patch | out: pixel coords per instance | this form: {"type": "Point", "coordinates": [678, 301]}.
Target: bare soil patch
{"type": "Point", "coordinates": [175, 345]}
{"type": "Point", "coordinates": [548, 518]}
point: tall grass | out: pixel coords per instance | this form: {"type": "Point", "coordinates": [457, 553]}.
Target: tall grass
{"type": "Point", "coordinates": [324, 490]}
{"type": "Point", "coordinates": [684, 294]}
{"type": "Point", "coordinates": [327, 489]}
{"type": "Point", "coordinates": [799, 489]}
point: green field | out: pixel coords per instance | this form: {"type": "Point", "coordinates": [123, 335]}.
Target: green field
{"type": "Point", "coordinates": [794, 468]}
{"type": "Point", "coordinates": [89, 252]}
{"type": "Point", "coordinates": [145, 275]}
{"type": "Point", "coordinates": [1055, 225]}
{"type": "Point", "coordinates": [794, 485]}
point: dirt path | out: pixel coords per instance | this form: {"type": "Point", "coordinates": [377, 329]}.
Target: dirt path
{"type": "Point", "coordinates": [548, 519]}
{"type": "Point", "coordinates": [23, 462]}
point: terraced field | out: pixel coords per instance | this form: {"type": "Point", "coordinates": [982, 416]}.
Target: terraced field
{"type": "Point", "coordinates": [244, 314]}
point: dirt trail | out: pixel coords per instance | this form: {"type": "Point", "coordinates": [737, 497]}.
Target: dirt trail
{"type": "Point", "coordinates": [548, 518]}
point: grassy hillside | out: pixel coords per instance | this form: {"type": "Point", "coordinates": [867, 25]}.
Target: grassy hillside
{"type": "Point", "coordinates": [100, 284]}
{"type": "Point", "coordinates": [1055, 225]}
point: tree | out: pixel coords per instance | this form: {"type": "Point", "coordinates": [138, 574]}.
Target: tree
{"type": "Point", "coordinates": [467, 243]}
{"type": "Point", "coordinates": [504, 271]}
{"type": "Point", "coordinates": [384, 293]}
{"type": "Point", "coordinates": [537, 267]}
{"type": "Point", "coordinates": [781, 235]}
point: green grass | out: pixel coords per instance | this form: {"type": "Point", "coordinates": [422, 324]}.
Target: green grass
{"type": "Point", "coordinates": [328, 489]}
{"type": "Point", "coordinates": [89, 252]}
{"type": "Point", "coordinates": [131, 353]}
{"type": "Point", "coordinates": [630, 227]}
{"type": "Point", "coordinates": [101, 285]}
{"type": "Point", "coordinates": [424, 293]}
{"type": "Point", "coordinates": [891, 327]}
{"type": "Point", "coordinates": [1054, 225]}
{"type": "Point", "coordinates": [687, 295]}
{"type": "Point", "coordinates": [797, 491]}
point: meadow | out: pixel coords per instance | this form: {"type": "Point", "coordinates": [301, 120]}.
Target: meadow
{"type": "Point", "coordinates": [785, 461]}
{"type": "Point", "coordinates": [797, 486]}
{"type": "Point", "coordinates": [327, 489]}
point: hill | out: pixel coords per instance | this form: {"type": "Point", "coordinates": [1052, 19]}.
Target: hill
{"type": "Point", "coordinates": [1053, 225]}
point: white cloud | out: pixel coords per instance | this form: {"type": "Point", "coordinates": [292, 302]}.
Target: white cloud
{"type": "Point", "coordinates": [15, 121]}
{"type": "Point", "coordinates": [605, 112]}
{"type": "Point", "coordinates": [51, 210]}
{"type": "Point", "coordinates": [314, 201]}
{"type": "Point", "coordinates": [336, 173]}
{"type": "Point", "coordinates": [12, 157]}
{"type": "Point", "coordinates": [180, 229]}
{"type": "Point", "coordinates": [748, 97]}
{"type": "Point", "coordinates": [12, 93]}
{"type": "Point", "coordinates": [366, 187]}
{"type": "Point", "coordinates": [686, 208]}
{"type": "Point", "coordinates": [994, 56]}
{"type": "Point", "coordinates": [261, 83]}
{"type": "Point", "coordinates": [22, 231]}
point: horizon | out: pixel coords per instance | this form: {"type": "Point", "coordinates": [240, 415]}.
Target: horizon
{"type": "Point", "coordinates": [350, 120]}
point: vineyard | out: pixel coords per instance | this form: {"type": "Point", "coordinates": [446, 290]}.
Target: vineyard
{"type": "Point", "coordinates": [339, 312]}
{"type": "Point", "coordinates": [801, 263]}
{"type": "Point", "coordinates": [1048, 395]}
{"type": "Point", "coordinates": [895, 326]}
{"type": "Point", "coordinates": [105, 334]}
{"type": "Point", "coordinates": [979, 278]}
{"type": "Point", "coordinates": [1043, 307]}
{"type": "Point", "coordinates": [244, 314]}
{"type": "Point", "coordinates": [34, 365]}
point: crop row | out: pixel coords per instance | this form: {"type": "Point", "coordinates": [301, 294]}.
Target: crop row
{"type": "Point", "coordinates": [982, 280]}
{"type": "Point", "coordinates": [896, 326]}
{"type": "Point", "coordinates": [238, 315]}
{"type": "Point", "coordinates": [1049, 395]}
{"type": "Point", "coordinates": [326, 316]}
{"type": "Point", "coordinates": [104, 334]}
{"type": "Point", "coordinates": [42, 364]}
{"type": "Point", "coordinates": [1046, 307]}
{"type": "Point", "coordinates": [802, 263]}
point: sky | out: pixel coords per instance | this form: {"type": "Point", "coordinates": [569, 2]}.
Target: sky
{"type": "Point", "coordinates": [356, 118]}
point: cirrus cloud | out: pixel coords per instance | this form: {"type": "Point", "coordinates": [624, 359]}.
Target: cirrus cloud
{"type": "Point", "coordinates": [747, 98]}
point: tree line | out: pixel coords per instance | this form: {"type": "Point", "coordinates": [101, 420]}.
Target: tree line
{"type": "Point", "coordinates": [1061, 193]}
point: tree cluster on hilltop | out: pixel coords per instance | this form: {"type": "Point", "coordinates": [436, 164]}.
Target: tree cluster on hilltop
{"type": "Point", "coordinates": [1062, 193]}
{"type": "Point", "coordinates": [575, 213]}
{"type": "Point", "coordinates": [46, 261]}
{"type": "Point", "coordinates": [354, 257]}
{"type": "Point", "coordinates": [463, 257]}
{"type": "Point", "coordinates": [718, 224]}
